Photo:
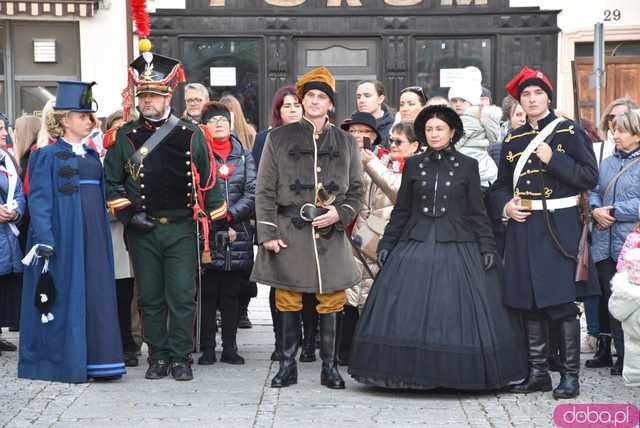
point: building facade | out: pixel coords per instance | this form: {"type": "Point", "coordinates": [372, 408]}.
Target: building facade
{"type": "Point", "coordinates": [42, 42]}
{"type": "Point", "coordinates": [252, 47]}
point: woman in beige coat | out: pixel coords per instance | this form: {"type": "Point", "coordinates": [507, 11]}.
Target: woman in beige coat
{"type": "Point", "coordinates": [381, 178]}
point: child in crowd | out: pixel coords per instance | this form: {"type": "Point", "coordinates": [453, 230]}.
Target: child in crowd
{"type": "Point", "coordinates": [624, 305]}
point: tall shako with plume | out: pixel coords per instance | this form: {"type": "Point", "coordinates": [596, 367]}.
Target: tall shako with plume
{"type": "Point", "coordinates": [149, 72]}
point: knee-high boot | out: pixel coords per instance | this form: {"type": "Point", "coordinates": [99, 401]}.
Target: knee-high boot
{"type": "Point", "coordinates": [538, 379]}
{"type": "Point", "coordinates": [569, 386]}
{"type": "Point", "coordinates": [329, 339]}
{"type": "Point", "coordinates": [289, 325]}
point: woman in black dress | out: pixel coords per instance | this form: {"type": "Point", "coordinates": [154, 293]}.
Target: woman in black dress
{"type": "Point", "coordinates": [435, 316]}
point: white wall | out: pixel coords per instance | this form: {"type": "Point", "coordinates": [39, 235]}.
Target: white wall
{"type": "Point", "coordinates": [103, 45]}
{"type": "Point", "coordinates": [578, 14]}
{"type": "Point", "coordinates": [576, 21]}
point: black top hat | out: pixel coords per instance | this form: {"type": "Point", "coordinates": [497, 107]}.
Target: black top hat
{"type": "Point", "coordinates": [362, 118]}
{"type": "Point", "coordinates": [157, 74]}
{"type": "Point", "coordinates": [75, 96]}
{"type": "Point", "coordinates": [443, 113]}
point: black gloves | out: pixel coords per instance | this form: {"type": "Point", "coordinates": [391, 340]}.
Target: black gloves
{"type": "Point", "coordinates": [44, 251]}
{"type": "Point", "coordinates": [140, 222]}
{"type": "Point", "coordinates": [382, 257]}
{"type": "Point", "coordinates": [488, 260]}
{"type": "Point", "coordinates": [221, 239]}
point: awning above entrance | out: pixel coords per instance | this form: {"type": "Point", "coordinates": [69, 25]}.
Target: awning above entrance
{"type": "Point", "coordinates": [81, 8]}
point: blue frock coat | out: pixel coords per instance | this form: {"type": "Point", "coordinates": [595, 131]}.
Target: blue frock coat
{"type": "Point", "coordinates": [57, 351]}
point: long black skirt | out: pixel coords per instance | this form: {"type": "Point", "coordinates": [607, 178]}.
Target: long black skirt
{"type": "Point", "coordinates": [435, 319]}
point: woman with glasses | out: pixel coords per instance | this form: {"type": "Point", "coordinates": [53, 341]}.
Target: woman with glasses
{"type": "Point", "coordinates": [615, 202]}
{"type": "Point", "coordinates": [231, 238]}
{"type": "Point", "coordinates": [412, 100]}
{"type": "Point", "coordinates": [616, 107]}
{"type": "Point", "coordinates": [381, 178]}
{"type": "Point", "coordinates": [434, 317]}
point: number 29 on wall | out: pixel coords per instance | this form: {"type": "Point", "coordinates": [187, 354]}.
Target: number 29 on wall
{"type": "Point", "coordinates": [612, 15]}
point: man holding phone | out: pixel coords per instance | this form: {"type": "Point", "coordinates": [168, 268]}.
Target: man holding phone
{"type": "Point", "coordinates": [545, 165]}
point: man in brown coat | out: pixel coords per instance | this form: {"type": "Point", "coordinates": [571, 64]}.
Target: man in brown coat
{"type": "Point", "coordinates": [309, 189]}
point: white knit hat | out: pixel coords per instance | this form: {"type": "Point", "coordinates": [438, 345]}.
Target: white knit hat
{"type": "Point", "coordinates": [466, 89]}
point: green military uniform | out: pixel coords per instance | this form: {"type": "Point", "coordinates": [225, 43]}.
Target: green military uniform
{"type": "Point", "coordinates": [162, 189]}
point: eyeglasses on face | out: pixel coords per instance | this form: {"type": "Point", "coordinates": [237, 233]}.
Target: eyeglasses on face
{"type": "Point", "coordinates": [218, 120]}
{"type": "Point", "coordinates": [193, 100]}
{"type": "Point", "coordinates": [396, 141]}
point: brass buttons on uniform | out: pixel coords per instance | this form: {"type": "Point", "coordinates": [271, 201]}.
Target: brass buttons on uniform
{"type": "Point", "coordinates": [424, 173]}
{"type": "Point", "coordinates": [188, 162]}
{"type": "Point", "coordinates": [142, 186]}
{"type": "Point", "coordinates": [424, 183]}
{"type": "Point", "coordinates": [447, 183]}
{"type": "Point", "coordinates": [317, 236]}
{"type": "Point", "coordinates": [187, 153]}
{"type": "Point", "coordinates": [189, 184]}
{"type": "Point", "coordinates": [143, 197]}
{"type": "Point", "coordinates": [425, 209]}
{"type": "Point", "coordinates": [318, 169]}
{"type": "Point", "coordinates": [424, 197]}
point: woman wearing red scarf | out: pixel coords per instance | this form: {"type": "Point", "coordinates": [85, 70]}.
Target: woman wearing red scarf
{"type": "Point", "coordinates": [382, 177]}
{"type": "Point", "coordinates": [232, 239]}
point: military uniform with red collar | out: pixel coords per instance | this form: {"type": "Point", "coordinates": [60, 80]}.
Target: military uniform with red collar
{"type": "Point", "coordinates": [154, 198]}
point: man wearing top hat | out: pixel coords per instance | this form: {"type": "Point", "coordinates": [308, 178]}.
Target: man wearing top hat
{"type": "Point", "coordinates": [544, 167]}
{"type": "Point", "coordinates": [158, 174]}
{"type": "Point", "coordinates": [309, 189]}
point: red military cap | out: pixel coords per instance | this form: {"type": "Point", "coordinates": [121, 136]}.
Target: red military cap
{"type": "Point", "coordinates": [527, 77]}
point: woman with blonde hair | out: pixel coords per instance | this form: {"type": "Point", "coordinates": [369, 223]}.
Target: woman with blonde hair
{"type": "Point", "coordinates": [26, 137]}
{"type": "Point", "coordinates": [44, 138]}
{"type": "Point", "coordinates": [614, 207]}
{"type": "Point", "coordinates": [616, 107]}
{"type": "Point", "coordinates": [72, 334]}
{"type": "Point", "coordinates": [243, 130]}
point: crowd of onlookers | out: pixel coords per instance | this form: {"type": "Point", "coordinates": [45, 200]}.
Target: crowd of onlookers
{"type": "Point", "coordinates": [386, 138]}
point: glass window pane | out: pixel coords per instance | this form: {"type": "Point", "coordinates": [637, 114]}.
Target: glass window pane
{"type": "Point", "coordinates": [200, 55]}
{"type": "Point", "coordinates": [435, 55]}
{"type": "Point", "coordinates": [33, 98]}
{"type": "Point", "coordinates": [337, 56]}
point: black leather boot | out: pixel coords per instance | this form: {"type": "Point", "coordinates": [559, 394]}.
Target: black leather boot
{"type": "Point", "coordinates": [329, 339]}
{"type": "Point", "coordinates": [602, 357]}
{"type": "Point", "coordinates": [308, 353]}
{"type": "Point", "coordinates": [208, 357]}
{"type": "Point", "coordinates": [538, 379]}
{"type": "Point", "coordinates": [554, 360]}
{"type": "Point", "coordinates": [276, 354]}
{"type": "Point", "coordinates": [569, 386]}
{"type": "Point", "coordinates": [289, 324]}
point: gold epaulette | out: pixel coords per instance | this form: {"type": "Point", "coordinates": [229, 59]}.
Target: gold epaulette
{"type": "Point", "coordinates": [513, 137]}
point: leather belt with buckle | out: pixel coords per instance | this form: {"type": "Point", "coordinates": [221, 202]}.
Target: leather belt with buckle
{"type": "Point", "coordinates": [306, 212]}
{"type": "Point", "coordinates": [167, 220]}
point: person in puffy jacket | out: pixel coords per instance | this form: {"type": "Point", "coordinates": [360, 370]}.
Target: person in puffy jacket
{"type": "Point", "coordinates": [624, 305]}
{"type": "Point", "coordinates": [615, 202]}
{"type": "Point", "coordinates": [481, 127]}
{"type": "Point", "coordinates": [231, 239]}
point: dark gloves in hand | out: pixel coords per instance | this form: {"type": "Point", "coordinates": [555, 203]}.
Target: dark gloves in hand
{"type": "Point", "coordinates": [488, 260]}
{"type": "Point", "coordinates": [140, 222]}
{"type": "Point", "coordinates": [44, 251]}
{"type": "Point", "coordinates": [221, 239]}
{"type": "Point", "coordinates": [382, 257]}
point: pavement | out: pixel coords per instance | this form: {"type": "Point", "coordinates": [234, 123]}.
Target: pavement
{"type": "Point", "coordinates": [240, 396]}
